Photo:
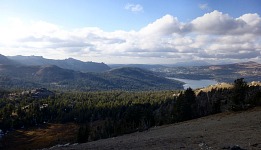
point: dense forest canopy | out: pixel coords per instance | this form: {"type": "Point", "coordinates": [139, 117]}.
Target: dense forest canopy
{"type": "Point", "coordinates": [111, 113]}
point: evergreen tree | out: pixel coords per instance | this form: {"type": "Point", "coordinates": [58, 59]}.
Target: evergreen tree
{"type": "Point", "coordinates": [239, 93]}
{"type": "Point", "coordinates": [186, 105]}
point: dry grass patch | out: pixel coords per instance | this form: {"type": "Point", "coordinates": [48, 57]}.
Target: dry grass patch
{"type": "Point", "coordinates": [216, 86]}
{"type": "Point", "coordinates": [42, 137]}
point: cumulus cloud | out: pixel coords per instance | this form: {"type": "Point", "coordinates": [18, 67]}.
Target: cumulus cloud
{"type": "Point", "coordinates": [134, 7]}
{"type": "Point", "coordinates": [215, 23]}
{"type": "Point", "coordinates": [164, 26]}
{"type": "Point", "coordinates": [218, 23]}
{"type": "Point", "coordinates": [212, 37]}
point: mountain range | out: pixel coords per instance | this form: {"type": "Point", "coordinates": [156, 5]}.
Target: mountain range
{"type": "Point", "coordinates": [17, 75]}
{"type": "Point", "coordinates": [70, 74]}
{"type": "Point", "coordinates": [69, 63]}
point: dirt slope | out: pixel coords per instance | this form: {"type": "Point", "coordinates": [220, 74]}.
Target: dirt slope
{"type": "Point", "coordinates": [221, 131]}
{"type": "Point", "coordinates": [45, 136]}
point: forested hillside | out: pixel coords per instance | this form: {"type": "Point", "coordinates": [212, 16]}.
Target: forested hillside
{"type": "Point", "coordinates": [108, 114]}
{"type": "Point", "coordinates": [16, 76]}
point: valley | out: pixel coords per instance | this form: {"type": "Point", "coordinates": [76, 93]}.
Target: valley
{"type": "Point", "coordinates": [140, 75]}
{"type": "Point", "coordinates": [23, 72]}
{"type": "Point", "coordinates": [14, 75]}
{"type": "Point", "coordinates": [38, 100]}
{"type": "Point", "coordinates": [250, 71]}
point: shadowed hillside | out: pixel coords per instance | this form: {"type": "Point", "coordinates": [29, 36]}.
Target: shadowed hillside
{"type": "Point", "coordinates": [222, 131]}
{"type": "Point", "coordinates": [54, 77]}
{"type": "Point", "coordinates": [69, 63]}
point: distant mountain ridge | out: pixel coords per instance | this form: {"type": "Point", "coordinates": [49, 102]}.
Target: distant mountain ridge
{"type": "Point", "coordinates": [251, 71]}
{"type": "Point", "coordinates": [155, 66]}
{"type": "Point", "coordinates": [72, 74]}
{"type": "Point", "coordinates": [5, 61]}
{"type": "Point", "coordinates": [69, 63]}
{"type": "Point", "coordinates": [18, 76]}
{"type": "Point", "coordinates": [190, 63]}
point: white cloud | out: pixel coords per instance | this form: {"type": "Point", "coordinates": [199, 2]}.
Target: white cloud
{"type": "Point", "coordinates": [218, 23]}
{"type": "Point", "coordinates": [204, 6]}
{"type": "Point", "coordinates": [252, 23]}
{"type": "Point", "coordinates": [214, 23]}
{"type": "Point", "coordinates": [163, 26]}
{"type": "Point", "coordinates": [134, 7]}
{"type": "Point", "coordinates": [212, 37]}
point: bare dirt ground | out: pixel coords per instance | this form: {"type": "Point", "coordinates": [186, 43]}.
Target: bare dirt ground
{"type": "Point", "coordinates": [45, 136]}
{"type": "Point", "coordinates": [221, 131]}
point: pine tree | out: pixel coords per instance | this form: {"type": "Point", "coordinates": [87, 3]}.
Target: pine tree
{"type": "Point", "coordinates": [239, 93]}
{"type": "Point", "coordinates": [186, 105]}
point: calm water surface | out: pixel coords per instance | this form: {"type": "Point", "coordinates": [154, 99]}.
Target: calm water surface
{"type": "Point", "coordinates": [196, 83]}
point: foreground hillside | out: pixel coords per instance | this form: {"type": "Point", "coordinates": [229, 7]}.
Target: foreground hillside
{"type": "Point", "coordinates": [221, 131]}
{"type": "Point", "coordinates": [100, 115]}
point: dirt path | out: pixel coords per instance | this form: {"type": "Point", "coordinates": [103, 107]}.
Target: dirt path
{"type": "Point", "coordinates": [219, 131]}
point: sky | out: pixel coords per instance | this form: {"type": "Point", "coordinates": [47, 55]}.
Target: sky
{"type": "Point", "coordinates": [133, 31]}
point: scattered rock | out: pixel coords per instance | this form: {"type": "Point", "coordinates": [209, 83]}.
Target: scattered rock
{"type": "Point", "coordinates": [257, 145]}
{"type": "Point", "coordinates": [236, 147]}
{"type": "Point", "coordinates": [204, 146]}
{"type": "Point", "coordinates": [226, 147]}
{"type": "Point", "coordinates": [39, 93]}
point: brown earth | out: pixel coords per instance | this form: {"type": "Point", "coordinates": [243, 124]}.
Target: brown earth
{"type": "Point", "coordinates": [41, 137]}
{"type": "Point", "coordinates": [220, 131]}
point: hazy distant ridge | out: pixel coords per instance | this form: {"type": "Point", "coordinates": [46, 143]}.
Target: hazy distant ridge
{"type": "Point", "coordinates": [17, 76]}
{"type": "Point", "coordinates": [69, 63]}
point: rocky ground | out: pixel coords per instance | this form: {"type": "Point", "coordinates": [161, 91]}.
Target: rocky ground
{"type": "Point", "coordinates": [221, 131]}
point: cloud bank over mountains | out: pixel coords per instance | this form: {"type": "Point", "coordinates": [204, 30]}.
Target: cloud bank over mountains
{"type": "Point", "coordinates": [212, 37]}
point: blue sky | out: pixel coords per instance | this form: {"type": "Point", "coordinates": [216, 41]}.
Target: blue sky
{"type": "Point", "coordinates": [112, 15]}
{"type": "Point", "coordinates": [138, 31]}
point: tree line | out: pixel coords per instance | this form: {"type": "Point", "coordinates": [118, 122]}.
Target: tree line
{"type": "Point", "coordinates": [112, 113]}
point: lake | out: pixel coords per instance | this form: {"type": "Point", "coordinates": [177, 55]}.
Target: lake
{"type": "Point", "coordinates": [194, 84]}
